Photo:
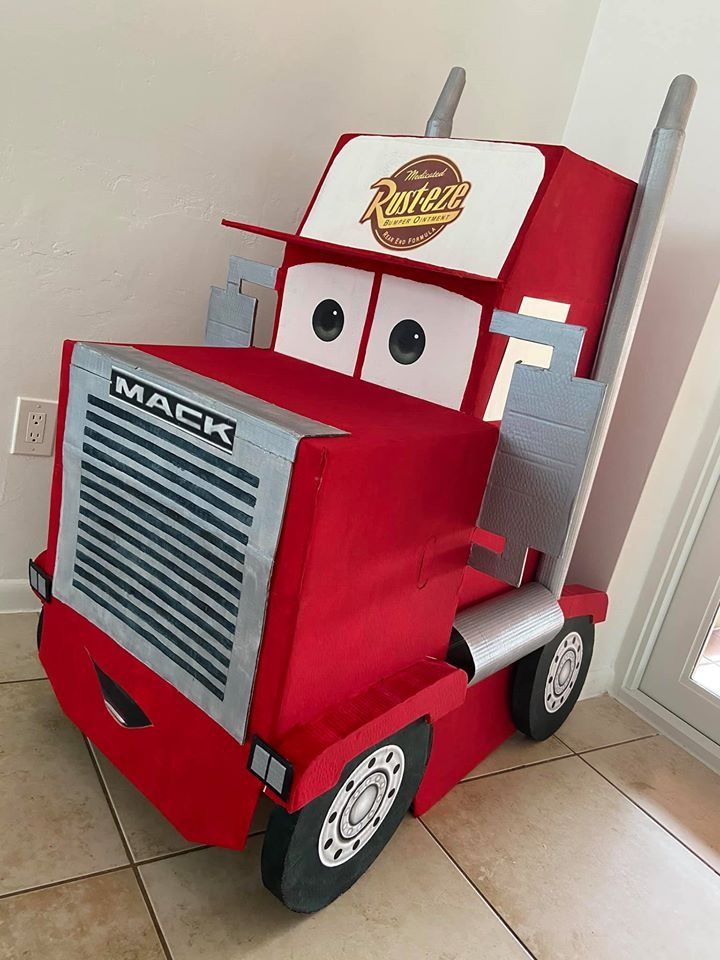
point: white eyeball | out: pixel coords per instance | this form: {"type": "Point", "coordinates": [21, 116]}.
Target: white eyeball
{"type": "Point", "coordinates": [323, 313]}
{"type": "Point", "coordinates": [422, 341]}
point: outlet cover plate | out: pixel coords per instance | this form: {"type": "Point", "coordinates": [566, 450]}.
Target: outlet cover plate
{"type": "Point", "coordinates": [35, 423]}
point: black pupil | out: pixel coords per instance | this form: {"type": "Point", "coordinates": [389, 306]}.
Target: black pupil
{"type": "Point", "coordinates": [407, 341]}
{"type": "Point", "coordinates": [328, 320]}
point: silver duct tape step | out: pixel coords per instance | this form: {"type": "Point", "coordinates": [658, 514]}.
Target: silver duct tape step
{"type": "Point", "coordinates": [231, 312]}
{"type": "Point", "coordinates": [495, 633]}
{"type": "Point", "coordinates": [546, 431]}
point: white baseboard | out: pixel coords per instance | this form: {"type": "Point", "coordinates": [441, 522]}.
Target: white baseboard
{"type": "Point", "coordinates": [599, 680]}
{"type": "Point", "coordinates": [17, 597]}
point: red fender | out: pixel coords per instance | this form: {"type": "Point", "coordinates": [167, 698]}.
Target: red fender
{"type": "Point", "coordinates": [579, 601]}
{"type": "Point", "coordinates": [319, 750]}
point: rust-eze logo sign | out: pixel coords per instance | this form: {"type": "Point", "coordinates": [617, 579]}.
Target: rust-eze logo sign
{"type": "Point", "coordinates": [416, 203]}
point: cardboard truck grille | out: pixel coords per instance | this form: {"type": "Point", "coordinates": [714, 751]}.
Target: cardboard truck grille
{"type": "Point", "coordinates": [183, 616]}
{"type": "Point", "coordinates": [173, 493]}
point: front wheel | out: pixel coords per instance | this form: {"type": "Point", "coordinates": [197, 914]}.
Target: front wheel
{"type": "Point", "coordinates": [312, 856]}
{"type": "Point", "coordinates": [548, 682]}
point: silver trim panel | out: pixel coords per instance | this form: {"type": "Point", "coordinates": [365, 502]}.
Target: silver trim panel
{"type": "Point", "coordinates": [231, 312]}
{"type": "Point", "coordinates": [545, 433]}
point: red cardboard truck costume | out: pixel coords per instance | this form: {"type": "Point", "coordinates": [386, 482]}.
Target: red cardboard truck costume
{"type": "Point", "coordinates": [334, 570]}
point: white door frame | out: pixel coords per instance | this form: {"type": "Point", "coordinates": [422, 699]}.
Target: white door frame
{"type": "Point", "coordinates": [701, 480]}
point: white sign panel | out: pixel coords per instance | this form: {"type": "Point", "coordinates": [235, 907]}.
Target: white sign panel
{"type": "Point", "coordinates": [457, 204]}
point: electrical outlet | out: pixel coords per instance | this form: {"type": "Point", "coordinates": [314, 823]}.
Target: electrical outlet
{"type": "Point", "coordinates": [35, 429]}
{"type": "Point", "coordinates": [34, 432]}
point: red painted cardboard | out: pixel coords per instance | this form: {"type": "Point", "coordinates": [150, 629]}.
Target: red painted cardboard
{"type": "Point", "coordinates": [371, 568]}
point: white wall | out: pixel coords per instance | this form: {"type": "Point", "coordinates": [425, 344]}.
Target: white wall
{"type": "Point", "coordinates": [636, 49]}
{"type": "Point", "coordinates": [128, 129]}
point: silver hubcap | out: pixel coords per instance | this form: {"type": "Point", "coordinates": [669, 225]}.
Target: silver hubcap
{"type": "Point", "coordinates": [563, 672]}
{"type": "Point", "coordinates": [360, 805]}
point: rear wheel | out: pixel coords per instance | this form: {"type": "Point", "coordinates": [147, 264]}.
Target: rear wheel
{"type": "Point", "coordinates": [312, 856]}
{"type": "Point", "coordinates": [548, 682]}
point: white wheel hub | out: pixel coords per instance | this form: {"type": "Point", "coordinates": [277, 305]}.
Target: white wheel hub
{"type": "Point", "coordinates": [564, 670]}
{"type": "Point", "coordinates": [360, 805]}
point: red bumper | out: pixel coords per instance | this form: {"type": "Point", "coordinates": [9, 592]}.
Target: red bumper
{"type": "Point", "coordinates": [186, 764]}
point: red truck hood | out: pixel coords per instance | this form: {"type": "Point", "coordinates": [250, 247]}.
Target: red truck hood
{"type": "Point", "coordinates": [360, 408]}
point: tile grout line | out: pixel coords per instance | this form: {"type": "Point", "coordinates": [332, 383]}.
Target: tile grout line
{"type": "Point", "coordinates": [571, 753]}
{"type": "Point", "coordinates": [133, 866]}
{"type": "Point", "coordinates": [196, 849]}
{"type": "Point", "coordinates": [581, 756]}
{"type": "Point", "coordinates": [620, 743]}
{"type": "Point", "coordinates": [649, 815]}
{"type": "Point", "coordinates": [604, 746]}
{"type": "Point", "coordinates": [146, 861]}
{"type": "Point", "coordinates": [109, 800]}
{"type": "Point", "coordinates": [61, 883]}
{"type": "Point", "coordinates": [164, 945]}
{"type": "Point", "coordinates": [478, 891]}
{"type": "Point", "coordinates": [519, 766]}
{"type": "Point", "coordinates": [101, 873]}
{"type": "Point", "coordinates": [23, 679]}
{"type": "Point", "coordinates": [565, 756]}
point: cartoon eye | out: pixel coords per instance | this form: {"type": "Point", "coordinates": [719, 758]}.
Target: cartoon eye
{"type": "Point", "coordinates": [322, 314]}
{"type": "Point", "coordinates": [407, 341]}
{"type": "Point", "coordinates": [422, 341]}
{"type": "Point", "coordinates": [328, 320]}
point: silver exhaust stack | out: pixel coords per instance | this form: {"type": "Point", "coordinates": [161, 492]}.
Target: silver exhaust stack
{"type": "Point", "coordinates": [441, 119]}
{"type": "Point", "coordinates": [496, 633]}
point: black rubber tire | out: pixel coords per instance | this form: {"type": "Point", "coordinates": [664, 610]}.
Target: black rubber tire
{"type": "Point", "coordinates": [529, 712]}
{"type": "Point", "coordinates": [38, 630]}
{"type": "Point", "coordinates": [291, 866]}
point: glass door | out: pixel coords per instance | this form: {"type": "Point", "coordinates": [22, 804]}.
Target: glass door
{"type": "Point", "coordinates": [706, 671]}
{"type": "Point", "coordinates": [683, 671]}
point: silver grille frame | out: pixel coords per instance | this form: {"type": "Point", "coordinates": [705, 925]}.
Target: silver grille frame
{"type": "Point", "coordinates": [167, 542]}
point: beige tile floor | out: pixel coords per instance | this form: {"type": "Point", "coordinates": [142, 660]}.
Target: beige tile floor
{"type": "Point", "coordinates": [603, 842]}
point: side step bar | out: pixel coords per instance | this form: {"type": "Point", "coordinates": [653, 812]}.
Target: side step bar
{"type": "Point", "coordinates": [491, 635]}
